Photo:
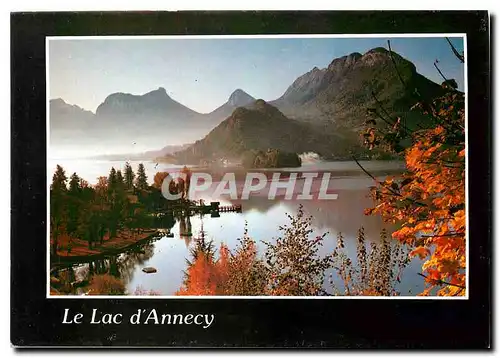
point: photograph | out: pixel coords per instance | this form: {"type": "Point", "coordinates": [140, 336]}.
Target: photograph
{"type": "Point", "coordinates": [306, 166]}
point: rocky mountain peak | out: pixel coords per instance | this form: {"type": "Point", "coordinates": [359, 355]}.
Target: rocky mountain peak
{"type": "Point", "coordinates": [344, 63]}
{"type": "Point", "coordinates": [160, 92]}
{"type": "Point", "coordinates": [240, 98]}
{"type": "Point", "coordinates": [381, 56]}
{"type": "Point", "coordinates": [305, 86]}
{"type": "Point", "coordinates": [57, 102]}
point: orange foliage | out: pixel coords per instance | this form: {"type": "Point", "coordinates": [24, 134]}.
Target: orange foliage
{"type": "Point", "coordinates": [158, 179]}
{"type": "Point", "coordinates": [102, 185]}
{"type": "Point", "coordinates": [430, 201]}
{"type": "Point", "coordinates": [231, 274]}
{"type": "Point", "coordinates": [203, 278]}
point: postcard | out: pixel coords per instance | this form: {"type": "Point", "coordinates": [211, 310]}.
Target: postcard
{"type": "Point", "coordinates": [184, 177]}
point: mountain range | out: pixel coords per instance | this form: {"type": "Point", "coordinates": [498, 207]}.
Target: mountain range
{"type": "Point", "coordinates": [321, 111]}
{"type": "Point", "coordinates": [260, 126]}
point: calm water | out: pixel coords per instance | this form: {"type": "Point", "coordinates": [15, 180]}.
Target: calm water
{"type": "Point", "coordinates": [262, 217]}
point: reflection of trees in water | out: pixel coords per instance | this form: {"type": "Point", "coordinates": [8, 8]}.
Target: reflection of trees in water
{"type": "Point", "coordinates": [259, 203]}
{"type": "Point", "coordinates": [121, 266]}
{"type": "Point", "coordinates": [185, 229]}
{"type": "Point", "coordinates": [345, 214]}
{"type": "Point", "coordinates": [166, 221]}
{"type": "Point", "coordinates": [127, 262]}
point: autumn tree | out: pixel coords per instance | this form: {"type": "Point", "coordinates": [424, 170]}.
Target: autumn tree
{"type": "Point", "coordinates": [238, 273]}
{"type": "Point", "coordinates": [159, 178]}
{"type": "Point", "coordinates": [201, 276]}
{"type": "Point", "coordinates": [428, 200]}
{"type": "Point", "coordinates": [291, 266]}
{"type": "Point", "coordinates": [101, 188]}
{"type": "Point", "coordinates": [185, 181]}
{"type": "Point", "coordinates": [242, 272]}
{"type": "Point", "coordinates": [100, 210]}
{"type": "Point", "coordinates": [180, 186]}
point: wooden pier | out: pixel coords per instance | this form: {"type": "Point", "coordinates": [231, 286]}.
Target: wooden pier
{"type": "Point", "coordinates": [230, 208]}
{"type": "Point", "coordinates": [215, 207]}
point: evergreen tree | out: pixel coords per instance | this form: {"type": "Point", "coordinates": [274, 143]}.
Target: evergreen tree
{"type": "Point", "coordinates": [74, 183]}
{"type": "Point", "coordinates": [129, 176]}
{"type": "Point", "coordinates": [142, 180]}
{"type": "Point", "coordinates": [73, 204]}
{"type": "Point", "coordinates": [112, 180]}
{"type": "Point", "coordinates": [119, 179]}
{"type": "Point", "coordinates": [59, 180]}
{"type": "Point", "coordinates": [58, 191]}
{"type": "Point", "coordinates": [116, 201]}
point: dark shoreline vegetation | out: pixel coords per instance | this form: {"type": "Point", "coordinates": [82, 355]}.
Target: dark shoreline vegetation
{"type": "Point", "coordinates": [119, 211]}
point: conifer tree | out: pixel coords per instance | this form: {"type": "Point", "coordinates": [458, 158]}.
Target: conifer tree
{"type": "Point", "coordinates": [142, 180]}
{"type": "Point", "coordinates": [58, 191]}
{"type": "Point", "coordinates": [59, 180]}
{"type": "Point", "coordinates": [129, 176]}
{"type": "Point", "coordinates": [112, 180]}
{"type": "Point", "coordinates": [74, 183]}
{"type": "Point", "coordinates": [119, 178]}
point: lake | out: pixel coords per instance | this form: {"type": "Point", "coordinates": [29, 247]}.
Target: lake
{"type": "Point", "coordinates": [262, 217]}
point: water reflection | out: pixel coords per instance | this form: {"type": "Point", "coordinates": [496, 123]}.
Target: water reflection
{"type": "Point", "coordinates": [345, 215]}
{"type": "Point", "coordinates": [185, 229]}
{"type": "Point", "coordinates": [263, 217]}
{"type": "Point", "coordinates": [121, 266]}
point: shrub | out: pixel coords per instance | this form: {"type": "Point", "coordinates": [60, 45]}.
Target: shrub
{"type": "Point", "coordinates": [378, 267]}
{"type": "Point", "coordinates": [106, 285]}
{"type": "Point", "coordinates": [294, 267]}
{"type": "Point", "coordinates": [242, 272]}
{"type": "Point", "coordinates": [141, 291]}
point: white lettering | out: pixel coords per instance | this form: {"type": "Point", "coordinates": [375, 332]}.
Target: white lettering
{"type": "Point", "coordinates": [208, 322]}
{"type": "Point", "coordinates": [288, 185]}
{"type": "Point", "coordinates": [249, 187]}
{"type": "Point", "coordinates": [152, 316]}
{"type": "Point", "coordinates": [230, 179]}
{"type": "Point", "coordinates": [165, 189]}
{"type": "Point", "coordinates": [324, 187]}
{"type": "Point", "coordinates": [306, 189]}
{"type": "Point", "coordinates": [195, 186]}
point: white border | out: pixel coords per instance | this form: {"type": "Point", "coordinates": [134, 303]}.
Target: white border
{"type": "Point", "coordinates": [272, 36]}
{"type": "Point", "coordinates": [183, 37]}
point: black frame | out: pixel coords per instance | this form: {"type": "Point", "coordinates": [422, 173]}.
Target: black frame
{"type": "Point", "coordinates": [343, 323]}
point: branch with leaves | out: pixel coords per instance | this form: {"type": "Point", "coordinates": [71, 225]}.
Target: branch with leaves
{"type": "Point", "coordinates": [423, 200]}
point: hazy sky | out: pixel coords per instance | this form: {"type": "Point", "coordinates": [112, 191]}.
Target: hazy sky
{"type": "Point", "coordinates": [202, 73]}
